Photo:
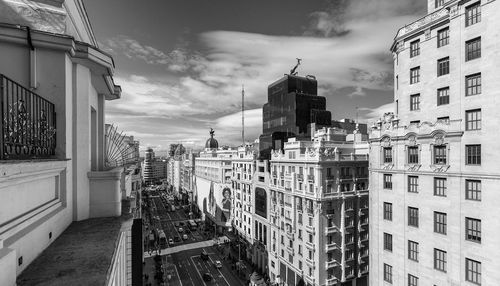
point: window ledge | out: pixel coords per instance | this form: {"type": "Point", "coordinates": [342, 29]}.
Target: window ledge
{"type": "Point", "coordinates": [439, 168]}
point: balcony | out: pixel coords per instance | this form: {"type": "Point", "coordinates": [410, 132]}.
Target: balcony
{"type": "Point", "coordinates": [331, 281]}
{"type": "Point", "coordinates": [275, 174]}
{"type": "Point", "coordinates": [300, 177]}
{"type": "Point", "coordinates": [330, 178]}
{"type": "Point", "coordinates": [310, 262]}
{"type": "Point", "coordinates": [331, 230]}
{"type": "Point", "coordinates": [310, 228]}
{"type": "Point", "coordinates": [310, 178]}
{"type": "Point", "coordinates": [331, 263]}
{"type": "Point", "coordinates": [309, 245]}
{"type": "Point", "coordinates": [331, 246]}
{"type": "Point", "coordinates": [29, 123]}
{"type": "Point", "coordinates": [289, 189]}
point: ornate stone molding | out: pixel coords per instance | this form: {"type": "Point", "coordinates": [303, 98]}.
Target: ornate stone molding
{"type": "Point", "coordinates": [423, 22]}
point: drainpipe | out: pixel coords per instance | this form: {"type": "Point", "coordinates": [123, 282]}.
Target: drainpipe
{"type": "Point", "coordinates": [32, 67]}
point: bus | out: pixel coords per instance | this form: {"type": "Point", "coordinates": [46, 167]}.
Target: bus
{"type": "Point", "coordinates": [192, 224]}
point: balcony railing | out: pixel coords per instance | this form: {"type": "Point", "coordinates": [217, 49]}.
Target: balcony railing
{"type": "Point", "coordinates": [331, 246]}
{"type": "Point", "coordinates": [331, 229]}
{"type": "Point", "coordinates": [28, 123]}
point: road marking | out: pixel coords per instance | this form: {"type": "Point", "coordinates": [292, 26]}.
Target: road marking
{"type": "Point", "coordinates": [198, 270]}
{"type": "Point", "coordinates": [178, 274]}
{"type": "Point", "coordinates": [220, 272]}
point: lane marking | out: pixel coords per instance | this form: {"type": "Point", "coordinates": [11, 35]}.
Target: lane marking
{"type": "Point", "coordinates": [198, 270]}
{"type": "Point", "coordinates": [178, 276]}
{"type": "Point", "coordinates": [219, 271]}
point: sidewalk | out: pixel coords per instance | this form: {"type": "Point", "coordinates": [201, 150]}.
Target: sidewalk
{"type": "Point", "coordinates": [182, 247]}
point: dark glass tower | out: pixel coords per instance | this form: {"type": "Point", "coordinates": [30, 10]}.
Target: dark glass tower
{"type": "Point", "coordinates": [292, 104]}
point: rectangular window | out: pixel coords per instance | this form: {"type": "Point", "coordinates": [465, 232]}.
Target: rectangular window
{"type": "Point", "coordinates": [387, 211]}
{"type": "Point", "coordinates": [440, 222]}
{"type": "Point", "coordinates": [443, 37]}
{"type": "Point", "coordinates": [473, 271]}
{"type": "Point", "coordinates": [473, 14]}
{"type": "Point", "coordinates": [473, 49]}
{"type": "Point", "coordinates": [440, 187]}
{"type": "Point", "coordinates": [473, 190]}
{"type": "Point", "coordinates": [443, 96]}
{"type": "Point", "coordinates": [387, 155]}
{"type": "Point", "coordinates": [413, 155]}
{"type": "Point", "coordinates": [413, 184]}
{"type": "Point", "coordinates": [443, 66]}
{"type": "Point", "coordinates": [412, 280]}
{"type": "Point", "coordinates": [413, 216]}
{"type": "Point", "coordinates": [413, 250]}
{"type": "Point", "coordinates": [473, 119]}
{"type": "Point", "coordinates": [444, 119]}
{"type": "Point", "coordinates": [439, 260]}
{"type": "Point", "coordinates": [414, 48]}
{"type": "Point", "coordinates": [387, 241]}
{"type": "Point", "coordinates": [387, 273]}
{"type": "Point", "coordinates": [473, 229]}
{"type": "Point", "coordinates": [415, 102]}
{"type": "Point", "coordinates": [473, 84]}
{"type": "Point", "coordinates": [440, 154]}
{"type": "Point", "coordinates": [415, 75]}
{"type": "Point", "coordinates": [387, 181]}
{"type": "Point", "coordinates": [473, 154]}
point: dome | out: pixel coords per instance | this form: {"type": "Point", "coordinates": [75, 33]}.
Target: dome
{"type": "Point", "coordinates": [211, 142]}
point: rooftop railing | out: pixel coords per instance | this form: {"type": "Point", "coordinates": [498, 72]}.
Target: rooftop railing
{"type": "Point", "coordinates": [28, 123]}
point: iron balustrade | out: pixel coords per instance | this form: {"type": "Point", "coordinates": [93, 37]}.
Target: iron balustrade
{"type": "Point", "coordinates": [28, 123]}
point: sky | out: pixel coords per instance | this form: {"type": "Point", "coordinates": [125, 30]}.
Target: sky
{"type": "Point", "coordinates": [182, 63]}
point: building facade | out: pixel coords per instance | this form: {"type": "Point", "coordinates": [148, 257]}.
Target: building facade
{"type": "Point", "coordinates": [432, 201]}
{"type": "Point", "coordinates": [319, 210]}
{"type": "Point", "coordinates": [153, 169]}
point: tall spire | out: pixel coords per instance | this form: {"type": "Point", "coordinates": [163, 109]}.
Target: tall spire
{"type": "Point", "coordinates": [243, 114]}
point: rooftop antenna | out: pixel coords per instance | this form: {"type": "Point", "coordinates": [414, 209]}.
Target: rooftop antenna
{"type": "Point", "coordinates": [293, 71]}
{"type": "Point", "coordinates": [243, 114]}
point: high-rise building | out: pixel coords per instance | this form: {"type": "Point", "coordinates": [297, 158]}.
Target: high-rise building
{"type": "Point", "coordinates": [433, 197]}
{"type": "Point", "coordinates": [153, 169]}
{"type": "Point", "coordinates": [292, 104]}
{"type": "Point", "coordinates": [318, 212]}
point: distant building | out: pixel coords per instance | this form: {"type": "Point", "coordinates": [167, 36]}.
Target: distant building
{"type": "Point", "coordinates": [154, 169]}
{"type": "Point", "coordinates": [434, 163]}
{"type": "Point", "coordinates": [292, 104]}
{"type": "Point", "coordinates": [318, 213]}
{"type": "Point", "coordinates": [213, 184]}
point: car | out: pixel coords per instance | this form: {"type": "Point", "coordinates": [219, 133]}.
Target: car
{"type": "Point", "coordinates": [207, 277]}
{"type": "Point", "coordinates": [177, 239]}
{"type": "Point", "coordinates": [181, 230]}
{"type": "Point", "coordinates": [204, 255]}
{"type": "Point", "coordinates": [184, 236]}
{"type": "Point", "coordinates": [170, 241]}
{"type": "Point", "coordinates": [217, 264]}
{"type": "Point", "coordinates": [176, 224]}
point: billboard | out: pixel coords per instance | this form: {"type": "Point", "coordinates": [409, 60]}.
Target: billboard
{"type": "Point", "coordinates": [214, 200]}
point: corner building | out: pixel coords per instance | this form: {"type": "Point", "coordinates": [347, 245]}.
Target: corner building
{"type": "Point", "coordinates": [433, 197]}
{"type": "Point", "coordinates": [319, 210]}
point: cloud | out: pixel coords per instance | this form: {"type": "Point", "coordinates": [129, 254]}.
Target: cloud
{"type": "Point", "coordinates": [371, 115]}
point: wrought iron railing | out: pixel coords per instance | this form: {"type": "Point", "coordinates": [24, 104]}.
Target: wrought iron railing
{"type": "Point", "coordinates": [28, 123]}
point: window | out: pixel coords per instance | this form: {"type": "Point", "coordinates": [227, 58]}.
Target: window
{"type": "Point", "coordinates": [473, 119]}
{"type": "Point", "coordinates": [443, 37]}
{"type": "Point", "coordinates": [440, 154]}
{"type": "Point", "coordinates": [387, 181]}
{"type": "Point", "coordinates": [387, 241]}
{"type": "Point", "coordinates": [413, 184]}
{"type": "Point", "coordinates": [444, 119]}
{"type": "Point", "coordinates": [415, 75]}
{"type": "Point", "coordinates": [415, 122]}
{"type": "Point", "coordinates": [387, 211]}
{"type": "Point", "coordinates": [415, 102]}
{"type": "Point", "coordinates": [472, 14]}
{"type": "Point", "coordinates": [443, 96]}
{"type": "Point", "coordinates": [473, 190]}
{"type": "Point", "coordinates": [413, 250]}
{"type": "Point", "coordinates": [473, 271]}
{"type": "Point", "coordinates": [440, 187]}
{"type": "Point", "coordinates": [414, 48]}
{"type": "Point", "coordinates": [473, 229]}
{"type": "Point", "coordinates": [439, 3]}
{"type": "Point", "coordinates": [440, 222]}
{"type": "Point", "coordinates": [387, 273]}
{"type": "Point", "coordinates": [473, 84]}
{"type": "Point", "coordinates": [388, 155]}
{"type": "Point", "coordinates": [413, 216]}
{"type": "Point", "coordinates": [439, 260]}
{"type": "Point", "coordinates": [473, 154]}
{"type": "Point", "coordinates": [412, 280]}
{"type": "Point", "coordinates": [413, 155]}
{"type": "Point", "coordinates": [443, 66]}
{"type": "Point", "coordinates": [473, 49]}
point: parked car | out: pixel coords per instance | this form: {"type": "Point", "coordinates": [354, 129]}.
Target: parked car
{"type": "Point", "coordinates": [207, 277]}
{"type": "Point", "coordinates": [170, 241]}
{"type": "Point", "coordinates": [184, 236]}
{"type": "Point", "coordinates": [204, 255]}
{"type": "Point", "coordinates": [181, 230]}
{"type": "Point", "coordinates": [217, 264]}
